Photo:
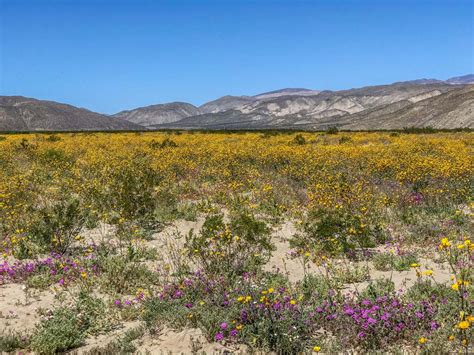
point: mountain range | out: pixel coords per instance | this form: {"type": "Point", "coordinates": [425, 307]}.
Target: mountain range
{"type": "Point", "coordinates": [435, 103]}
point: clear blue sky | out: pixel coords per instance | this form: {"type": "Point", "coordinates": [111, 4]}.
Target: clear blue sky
{"type": "Point", "coordinates": [113, 55]}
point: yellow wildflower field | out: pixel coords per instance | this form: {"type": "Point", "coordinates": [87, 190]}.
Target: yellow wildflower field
{"type": "Point", "coordinates": [254, 240]}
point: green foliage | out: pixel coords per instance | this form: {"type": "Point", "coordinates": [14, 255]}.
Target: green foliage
{"type": "Point", "coordinates": [345, 139]}
{"type": "Point", "coordinates": [132, 193]}
{"type": "Point", "coordinates": [378, 288]}
{"type": "Point", "coordinates": [94, 316]}
{"type": "Point", "coordinates": [53, 138]}
{"type": "Point", "coordinates": [319, 287]}
{"type": "Point", "coordinates": [54, 227]}
{"type": "Point", "coordinates": [121, 276]}
{"type": "Point", "coordinates": [419, 130]}
{"type": "Point", "coordinates": [299, 140]}
{"type": "Point", "coordinates": [332, 232]}
{"type": "Point", "coordinates": [243, 245]}
{"type": "Point", "coordinates": [332, 130]}
{"type": "Point", "coordinates": [389, 261]}
{"type": "Point", "coordinates": [167, 143]}
{"type": "Point", "coordinates": [12, 341]}
{"type": "Point", "coordinates": [55, 156]}
{"type": "Point", "coordinates": [61, 332]}
{"type": "Point", "coordinates": [348, 274]}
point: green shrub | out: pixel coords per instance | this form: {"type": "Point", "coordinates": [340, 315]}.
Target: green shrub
{"type": "Point", "coordinates": [332, 232]}
{"type": "Point", "coordinates": [230, 249]}
{"type": "Point", "coordinates": [122, 276]}
{"type": "Point", "coordinates": [54, 227]}
{"type": "Point", "coordinates": [53, 138]}
{"type": "Point", "coordinates": [332, 130]}
{"type": "Point", "coordinates": [12, 341]}
{"type": "Point", "coordinates": [299, 140]}
{"type": "Point", "coordinates": [60, 332]}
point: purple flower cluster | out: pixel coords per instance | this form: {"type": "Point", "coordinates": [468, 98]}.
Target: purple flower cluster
{"type": "Point", "coordinates": [61, 269]}
{"type": "Point", "coordinates": [385, 319]}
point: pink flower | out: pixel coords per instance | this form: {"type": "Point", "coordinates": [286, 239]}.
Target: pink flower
{"type": "Point", "coordinates": [219, 337]}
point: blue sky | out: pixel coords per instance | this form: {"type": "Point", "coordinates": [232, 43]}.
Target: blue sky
{"type": "Point", "coordinates": [113, 55]}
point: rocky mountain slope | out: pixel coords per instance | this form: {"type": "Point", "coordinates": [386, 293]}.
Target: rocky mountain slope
{"type": "Point", "coordinates": [451, 109]}
{"type": "Point", "coordinates": [19, 113]}
{"type": "Point", "coordinates": [373, 107]}
{"type": "Point", "coordinates": [420, 103]}
{"type": "Point", "coordinates": [159, 114]}
{"type": "Point", "coordinates": [465, 79]}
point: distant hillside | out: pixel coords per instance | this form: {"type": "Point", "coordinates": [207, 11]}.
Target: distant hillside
{"type": "Point", "coordinates": [460, 80]}
{"type": "Point", "coordinates": [374, 107]}
{"type": "Point", "coordinates": [452, 109]}
{"type": "Point", "coordinates": [19, 113]}
{"type": "Point", "coordinates": [159, 114]}
{"type": "Point", "coordinates": [420, 103]}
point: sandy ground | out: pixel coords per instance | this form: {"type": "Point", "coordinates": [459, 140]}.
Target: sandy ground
{"type": "Point", "coordinates": [19, 306]}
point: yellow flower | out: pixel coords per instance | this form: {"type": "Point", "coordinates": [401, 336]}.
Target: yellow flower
{"type": "Point", "coordinates": [470, 318]}
{"type": "Point", "coordinates": [415, 265]}
{"type": "Point", "coordinates": [464, 324]}
{"type": "Point", "coordinates": [84, 275]}
{"type": "Point", "coordinates": [293, 302]}
{"type": "Point", "coordinates": [428, 272]}
{"type": "Point", "coordinates": [202, 303]}
{"type": "Point", "coordinates": [451, 338]}
{"type": "Point", "coordinates": [316, 349]}
{"type": "Point", "coordinates": [239, 326]}
{"type": "Point", "coordinates": [445, 243]}
{"type": "Point", "coordinates": [240, 298]}
{"type": "Point", "coordinates": [422, 340]}
{"type": "Point", "coordinates": [461, 246]}
{"type": "Point", "coordinates": [455, 286]}
{"type": "Point", "coordinates": [271, 290]}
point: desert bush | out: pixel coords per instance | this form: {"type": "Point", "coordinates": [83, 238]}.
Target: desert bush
{"type": "Point", "coordinates": [54, 227]}
{"type": "Point", "coordinates": [61, 332]}
{"type": "Point", "coordinates": [299, 140]}
{"type": "Point", "coordinates": [332, 130]}
{"type": "Point", "coordinates": [332, 232]}
{"type": "Point", "coordinates": [230, 249]}
{"type": "Point", "coordinates": [12, 341]}
{"type": "Point", "coordinates": [119, 275]}
{"type": "Point", "coordinates": [167, 143]}
{"type": "Point", "coordinates": [53, 138]}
